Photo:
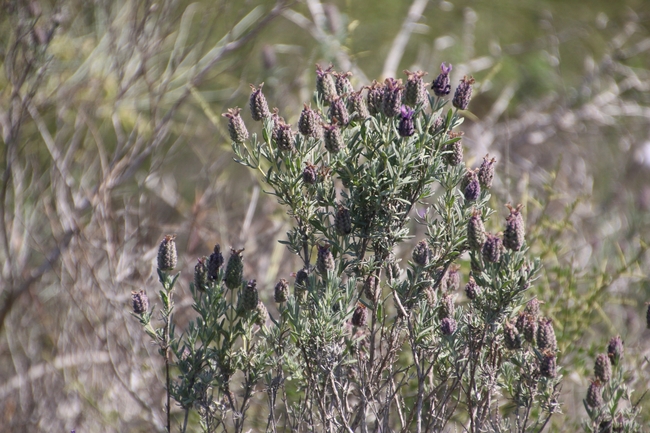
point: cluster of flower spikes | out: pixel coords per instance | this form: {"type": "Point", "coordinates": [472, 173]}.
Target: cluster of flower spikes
{"type": "Point", "coordinates": [233, 277]}
{"type": "Point", "coordinates": [530, 328]}
{"type": "Point", "coordinates": [206, 270]}
{"type": "Point", "coordinates": [603, 371]}
{"type": "Point", "coordinates": [251, 304]}
{"type": "Point", "coordinates": [444, 281]}
{"type": "Point", "coordinates": [392, 99]}
{"type": "Point", "coordinates": [167, 260]}
{"type": "Point", "coordinates": [490, 245]}
{"type": "Point", "coordinates": [333, 89]}
{"type": "Point", "coordinates": [208, 273]}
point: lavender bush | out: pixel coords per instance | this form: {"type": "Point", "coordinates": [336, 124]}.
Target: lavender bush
{"type": "Point", "coordinates": [365, 342]}
{"type": "Point", "coordinates": [109, 140]}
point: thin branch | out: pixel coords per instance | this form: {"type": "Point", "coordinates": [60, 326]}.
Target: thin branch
{"type": "Point", "coordinates": [399, 43]}
{"type": "Point", "coordinates": [52, 257]}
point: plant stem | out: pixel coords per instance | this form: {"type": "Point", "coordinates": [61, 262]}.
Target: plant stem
{"type": "Point", "coordinates": [187, 416]}
{"type": "Point", "coordinates": [168, 391]}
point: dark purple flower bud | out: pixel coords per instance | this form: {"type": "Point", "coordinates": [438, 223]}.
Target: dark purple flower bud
{"type": "Point", "coordinates": [333, 138]}
{"type": "Point", "coordinates": [309, 123]}
{"type": "Point", "coordinates": [371, 288]}
{"type": "Point", "coordinates": [250, 296]}
{"type": "Point", "coordinates": [360, 316]}
{"type": "Point", "coordinates": [615, 349]}
{"type": "Point", "coordinates": [441, 86]}
{"type": "Point", "coordinates": [492, 249]}
{"type": "Point", "coordinates": [472, 190]}
{"type": "Point", "coordinates": [357, 106]}
{"type": "Point", "coordinates": [343, 85]}
{"type": "Point", "coordinates": [234, 269]}
{"type": "Point", "coordinates": [236, 127]}
{"type": "Point", "coordinates": [338, 111]}
{"type": "Point", "coordinates": [201, 274]}
{"type": "Point", "coordinates": [281, 291]}
{"type": "Point", "coordinates": [325, 259]}
{"type": "Point", "coordinates": [325, 85]}
{"type": "Point", "coordinates": [421, 253]}
{"type": "Point", "coordinates": [548, 367]}
{"type": "Point", "coordinates": [527, 325]}
{"type": "Point", "coordinates": [310, 174]}
{"type": "Point", "coordinates": [546, 335]}
{"type": "Point", "coordinates": [375, 96]}
{"type": "Point", "coordinates": [167, 256]}
{"type": "Point", "coordinates": [215, 262]}
{"type": "Point", "coordinates": [463, 93]}
{"type": "Point", "coordinates": [391, 101]}
{"type": "Point", "coordinates": [406, 127]}
{"type": "Point", "coordinates": [302, 282]}
{"type": "Point", "coordinates": [415, 92]}
{"type": "Point", "coordinates": [475, 231]}
{"type": "Point", "coordinates": [486, 172]}
{"type": "Point", "coordinates": [283, 136]}
{"type": "Point", "coordinates": [513, 235]}
{"type": "Point", "coordinates": [140, 302]}
{"type": "Point", "coordinates": [594, 394]}
{"type": "Point", "coordinates": [258, 105]}
{"type": "Point", "coordinates": [511, 336]}
{"type": "Point", "coordinates": [472, 290]}
{"type": "Point", "coordinates": [447, 306]}
{"type": "Point", "coordinates": [343, 221]}
{"type": "Point", "coordinates": [603, 368]}
{"type": "Point", "coordinates": [448, 326]}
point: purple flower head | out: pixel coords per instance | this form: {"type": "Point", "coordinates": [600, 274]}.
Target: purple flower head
{"type": "Point", "coordinates": [407, 112]}
{"type": "Point", "coordinates": [448, 325]}
{"type": "Point", "coordinates": [463, 93]}
{"type": "Point", "coordinates": [325, 84]}
{"type": "Point", "coordinates": [415, 92]}
{"type": "Point", "coordinates": [375, 96]}
{"type": "Point", "coordinates": [441, 86]}
{"type": "Point", "coordinates": [392, 97]}
{"type": "Point", "coordinates": [406, 128]}
{"type": "Point", "coordinates": [320, 72]}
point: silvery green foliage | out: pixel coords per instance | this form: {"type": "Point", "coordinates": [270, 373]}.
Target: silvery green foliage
{"type": "Point", "coordinates": [219, 344]}
{"type": "Point", "coordinates": [357, 379]}
{"type": "Point", "coordinates": [412, 358]}
{"type": "Point", "coordinates": [608, 400]}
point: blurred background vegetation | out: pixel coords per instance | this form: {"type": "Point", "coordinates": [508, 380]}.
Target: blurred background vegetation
{"type": "Point", "coordinates": [112, 137]}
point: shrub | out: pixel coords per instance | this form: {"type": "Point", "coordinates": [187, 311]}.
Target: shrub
{"type": "Point", "coordinates": [359, 344]}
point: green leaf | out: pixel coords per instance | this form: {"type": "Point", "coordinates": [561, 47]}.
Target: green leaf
{"type": "Point", "coordinates": [450, 114]}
